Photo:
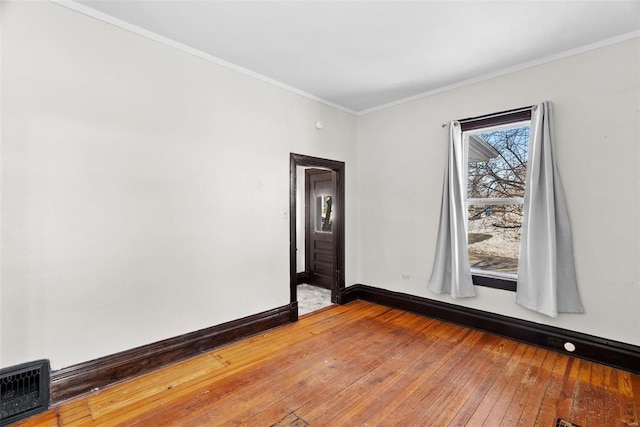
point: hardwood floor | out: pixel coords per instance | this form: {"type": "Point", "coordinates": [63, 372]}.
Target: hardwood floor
{"type": "Point", "coordinates": [365, 364]}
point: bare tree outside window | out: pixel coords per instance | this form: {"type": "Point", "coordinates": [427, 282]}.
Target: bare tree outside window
{"type": "Point", "coordinates": [497, 163]}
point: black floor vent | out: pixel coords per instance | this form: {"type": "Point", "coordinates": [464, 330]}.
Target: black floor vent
{"type": "Point", "coordinates": [24, 391]}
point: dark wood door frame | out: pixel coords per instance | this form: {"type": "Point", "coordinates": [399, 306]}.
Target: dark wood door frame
{"type": "Point", "coordinates": [338, 167]}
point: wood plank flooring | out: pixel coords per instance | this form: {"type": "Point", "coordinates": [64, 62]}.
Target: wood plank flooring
{"type": "Point", "coordinates": [365, 364]}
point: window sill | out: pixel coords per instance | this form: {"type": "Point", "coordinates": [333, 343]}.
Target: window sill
{"type": "Point", "coordinates": [494, 282]}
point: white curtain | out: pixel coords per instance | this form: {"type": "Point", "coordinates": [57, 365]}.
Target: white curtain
{"type": "Point", "coordinates": [546, 270]}
{"type": "Point", "coordinates": [451, 270]}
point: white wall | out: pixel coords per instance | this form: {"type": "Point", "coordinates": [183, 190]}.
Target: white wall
{"type": "Point", "coordinates": [401, 157]}
{"type": "Point", "coordinates": [145, 192]}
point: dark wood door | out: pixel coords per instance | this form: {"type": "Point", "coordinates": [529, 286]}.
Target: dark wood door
{"type": "Point", "coordinates": [320, 191]}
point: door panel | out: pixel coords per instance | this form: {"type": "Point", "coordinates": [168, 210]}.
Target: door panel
{"type": "Point", "coordinates": [320, 258]}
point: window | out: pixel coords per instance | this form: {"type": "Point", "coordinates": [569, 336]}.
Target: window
{"type": "Point", "coordinates": [495, 149]}
{"type": "Point", "coordinates": [485, 201]}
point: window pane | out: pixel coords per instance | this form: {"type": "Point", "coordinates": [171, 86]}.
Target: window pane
{"type": "Point", "coordinates": [323, 220]}
{"type": "Point", "coordinates": [497, 162]}
{"type": "Point", "coordinates": [494, 237]}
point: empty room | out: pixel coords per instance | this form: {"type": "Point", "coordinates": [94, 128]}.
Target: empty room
{"type": "Point", "coordinates": [319, 213]}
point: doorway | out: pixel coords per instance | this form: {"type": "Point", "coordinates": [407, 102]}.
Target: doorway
{"type": "Point", "coordinates": [319, 194]}
{"type": "Point", "coordinates": [321, 228]}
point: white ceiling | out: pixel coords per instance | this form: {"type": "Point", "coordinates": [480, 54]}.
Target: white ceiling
{"type": "Point", "coordinates": [360, 55]}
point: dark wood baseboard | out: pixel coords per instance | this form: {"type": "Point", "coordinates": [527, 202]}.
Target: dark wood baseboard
{"type": "Point", "coordinates": [607, 352]}
{"type": "Point", "coordinates": [350, 293]}
{"type": "Point", "coordinates": [84, 377]}
{"type": "Point", "coordinates": [302, 277]}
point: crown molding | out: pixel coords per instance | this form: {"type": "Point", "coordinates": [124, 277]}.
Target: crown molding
{"type": "Point", "coordinates": [506, 71]}
{"type": "Point", "coordinates": [85, 10]}
{"type": "Point", "coordinates": [71, 4]}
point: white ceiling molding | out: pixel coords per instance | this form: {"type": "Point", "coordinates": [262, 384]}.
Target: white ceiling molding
{"type": "Point", "coordinates": [510, 70]}
{"type": "Point", "coordinates": [365, 56]}
{"type": "Point", "coordinates": [202, 55]}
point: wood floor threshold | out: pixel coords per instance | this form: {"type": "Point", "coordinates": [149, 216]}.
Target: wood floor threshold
{"type": "Point", "coordinates": [302, 316]}
{"type": "Point", "coordinates": [365, 364]}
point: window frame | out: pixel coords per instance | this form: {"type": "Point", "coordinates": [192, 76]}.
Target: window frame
{"type": "Point", "coordinates": [510, 118]}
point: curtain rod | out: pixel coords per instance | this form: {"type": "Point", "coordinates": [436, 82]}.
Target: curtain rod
{"type": "Point", "coordinates": [493, 115]}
